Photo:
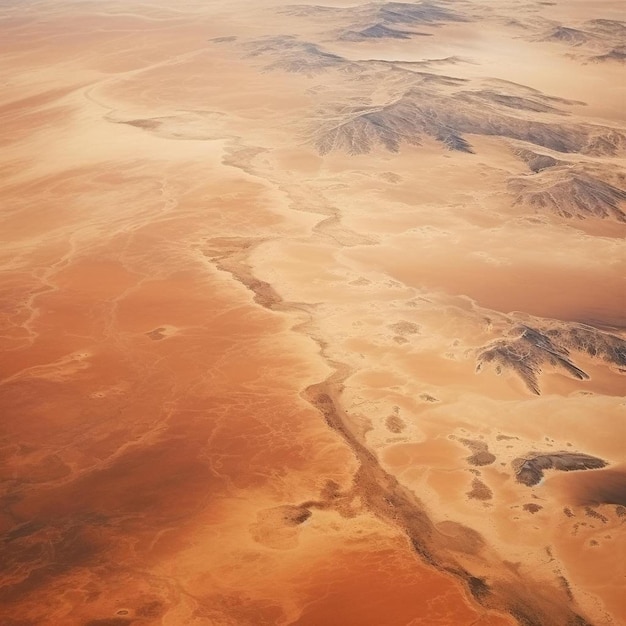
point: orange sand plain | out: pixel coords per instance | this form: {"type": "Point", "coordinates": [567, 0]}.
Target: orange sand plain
{"type": "Point", "coordinates": [238, 378]}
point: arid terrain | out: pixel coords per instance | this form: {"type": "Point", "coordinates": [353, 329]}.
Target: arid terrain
{"type": "Point", "coordinates": [312, 315]}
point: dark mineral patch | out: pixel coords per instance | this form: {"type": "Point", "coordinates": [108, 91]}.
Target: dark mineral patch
{"type": "Point", "coordinates": [589, 512]}
{"type": "Point", "coordinates": [529, 470]}
{"type": "Point", "coordinates": [157, 334]}
{"type": "Point", "coordinates": [480, 452]}
{"type": "Point", "coordinates": [228, 39]}
{"type": "Point", "coordinates": [479, 491]}
{"type": "Point", "coordinates": [395, 424]}
{"type": "Point", "coordinates": [478, 587]}
{"type": "Point", "coordinates": [405, 328]}
{"type": "Point", "coordinates": [532, 508]}
{"type": "Point", "coordinates": [426, 397]}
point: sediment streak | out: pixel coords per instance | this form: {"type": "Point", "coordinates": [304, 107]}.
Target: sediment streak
{"type": "Point", "coordinates": [490, 581]}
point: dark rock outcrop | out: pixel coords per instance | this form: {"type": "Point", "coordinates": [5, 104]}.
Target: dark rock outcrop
{"type": "Point", "coordinates": [570, 192]}
{"type": "Point", "coordinates": [529, 469]}
{"type": "Point", "coordinates": [379, 31]}
{"type": "Point", "coordinates": [570, 36]}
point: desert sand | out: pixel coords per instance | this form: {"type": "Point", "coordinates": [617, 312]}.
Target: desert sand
{"type": "Point", "coordinates": [312, 315]}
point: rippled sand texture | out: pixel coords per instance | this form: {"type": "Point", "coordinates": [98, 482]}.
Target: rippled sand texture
{"type": "Point", "coordinates": [312, 315]}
